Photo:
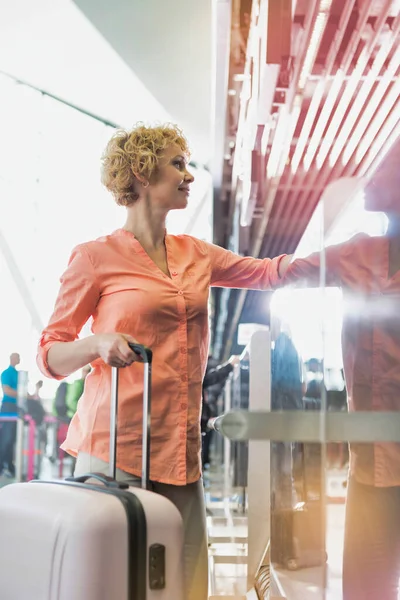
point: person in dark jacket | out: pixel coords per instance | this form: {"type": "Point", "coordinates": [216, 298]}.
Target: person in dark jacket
{"type": "Point", "coordinates": [213, 383]}
{"type": "Point", "coordinates": [34, 406]}
{"type": "Point", "coordinates": [287, 389]}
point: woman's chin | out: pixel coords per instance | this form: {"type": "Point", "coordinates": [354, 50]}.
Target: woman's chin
{"type": "Point", "coordinates": [180, 205]}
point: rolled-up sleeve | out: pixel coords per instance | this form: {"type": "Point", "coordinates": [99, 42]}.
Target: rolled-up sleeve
{"type": "Point", "coordinates": [76, 302]}
{"type": "Point", "coordinates": [243, 272]}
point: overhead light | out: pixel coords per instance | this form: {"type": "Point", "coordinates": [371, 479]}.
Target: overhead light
{"type": "Point", "coordinates": [378, 121]}
{"type": "Point", "coordinates": [307, 125]}
{"type": "Point", "coordinates": [389, 131]}
{"type": "Point", "coordinates": [277, 143]}
{"type": "Point", "coordinates": [241, 77]}
{"type": "Point", "coordinates": [341, 109]}
{"type": "Point", "coordinates": [360, 100]}
{"type": "Point", "coordinates": [265, 138]}
{"type": "Point", "coordinates": [315, 40]}
{"type": "Point", "coordinates": [323, 118]}
{"type": "Point", "coordinates": [378, 157]}
{"type": "Point", "coordinates": [372, 106]}
{"type": "Point", "coordinates": [281, 141]}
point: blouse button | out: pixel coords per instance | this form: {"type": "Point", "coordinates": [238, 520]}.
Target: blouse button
{"type": "Point", "coordinates": [180, 293]}
{"type": "Point", "coordinates": [174, 273]}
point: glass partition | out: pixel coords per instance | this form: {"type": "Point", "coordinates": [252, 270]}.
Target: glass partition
{"type": "Point", "coordinates": [335, 335]}
{"type": "Point", "coordinates": [323, 514]}
{"type": "Point", "coordinates": [335, 340]}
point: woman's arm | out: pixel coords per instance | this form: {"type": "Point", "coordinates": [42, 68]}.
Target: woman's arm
{"type": "Point", "coordinates": [284, 264]}
{"type": "Point", "coordinates": [245, 272]}
{"type": "Point", "coordinates": [306, 272]}
{"type": "Point", "coordinates": [64, 358]}
{"type": "Point", "coordinates": [221, 373]}
{"type": "Point", "coordinates": [60, 352]}
{"type": "Point", "coordinates": [231, 270]}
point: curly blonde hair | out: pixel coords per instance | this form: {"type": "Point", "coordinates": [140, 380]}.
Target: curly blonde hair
{"type": "Point", "coordinates": [134, 154]}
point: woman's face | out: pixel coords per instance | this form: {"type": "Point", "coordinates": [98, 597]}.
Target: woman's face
{"type": "Point", "coordinates": [170, 185]}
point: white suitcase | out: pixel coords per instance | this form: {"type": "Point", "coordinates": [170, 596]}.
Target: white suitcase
{"type": "Point", "coordinates": [78, 540]}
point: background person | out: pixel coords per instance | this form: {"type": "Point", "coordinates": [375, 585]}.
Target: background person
{"type": "Point", "coordinates": [8, 431]}
{"type": "Point", "coordinates": [213, 384]}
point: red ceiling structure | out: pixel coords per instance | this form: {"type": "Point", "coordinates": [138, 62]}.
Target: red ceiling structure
{"type": "Point", "coordinates": [313, 96]}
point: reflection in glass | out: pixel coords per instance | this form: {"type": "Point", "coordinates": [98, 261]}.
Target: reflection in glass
{"type": "Point", "coordinates": [367, 271]}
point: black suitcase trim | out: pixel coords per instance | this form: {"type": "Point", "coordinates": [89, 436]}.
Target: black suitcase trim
{"type": "Point", "coordinates": [137, 535]}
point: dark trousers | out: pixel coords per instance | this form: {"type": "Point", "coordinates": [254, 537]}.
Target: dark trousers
{"type": "Point", "coordinates": [205, 447]}
{"type": "Point", "coordinates": [282, 485]}
{"type": "Point", "coordinates": [8, 434]}
{"type": "Point", "coordinates": [371, 559]}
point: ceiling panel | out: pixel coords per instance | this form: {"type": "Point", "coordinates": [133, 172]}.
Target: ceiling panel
{"type": "Point", "coordinates": [337, 117]}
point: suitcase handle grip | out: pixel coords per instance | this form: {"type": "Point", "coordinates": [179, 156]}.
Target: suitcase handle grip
{"type": "Point", "coordinates": [147, 356]}
{"type": "Point", "coordinates": [107, 481]}
{"type": "Point", "coordinates": [145, 353]}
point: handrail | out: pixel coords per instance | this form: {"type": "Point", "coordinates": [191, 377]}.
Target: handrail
{"type": "Point", "coordinates": [304, 426]}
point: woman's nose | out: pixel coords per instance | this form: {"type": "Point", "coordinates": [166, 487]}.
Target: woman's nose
{"type": "Point", "coordinates": [189, 177]}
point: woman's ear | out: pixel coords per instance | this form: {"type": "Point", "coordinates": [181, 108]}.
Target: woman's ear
{"type": "Point", "coordinates": [141, 179]}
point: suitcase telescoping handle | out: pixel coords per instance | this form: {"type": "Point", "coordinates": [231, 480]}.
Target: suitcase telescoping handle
{"type": "Point", "coordinates": [147, 357]}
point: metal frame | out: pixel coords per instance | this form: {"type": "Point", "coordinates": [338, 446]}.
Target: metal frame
{"type": "Point", "coordinates": [303, 426]}
{"type": "Point", "coordinates": [258, 476]}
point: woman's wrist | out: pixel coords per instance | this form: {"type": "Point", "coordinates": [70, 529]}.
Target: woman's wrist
{"type": "Point", "coordinates": [284, 264]}
{"type": "Point", "coordinates": [94, 346]}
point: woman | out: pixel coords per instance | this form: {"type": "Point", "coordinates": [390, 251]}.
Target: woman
{"type": "Point", "coordinates": [139, 283]}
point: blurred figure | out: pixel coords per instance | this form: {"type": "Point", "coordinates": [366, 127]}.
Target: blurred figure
{"type": "Point", "coordinates": [64, 407]}
{"type": "Point", "coordinates": [36, 393]}
{"type": "Point", "coordinates": [286, 394]}
{"type": "Point", "coordinates": [314, 379]}
{"type": "Point", "coordinates": [35, 409]}
{"type": "Point", "coordinates": [286, 372]}
{"type": "Point", "coordinates": [8, 432]}
{"type": "Point", "coordinates": [74, 392]}
{"type": "Point", "coordinates": [60, 408]}
{"type": "Point", "coordinates": [213, 384]}
{"type": "Point", "coordinates": [368, 271]}
{"type": "Point", "coordinates": [34, 404]}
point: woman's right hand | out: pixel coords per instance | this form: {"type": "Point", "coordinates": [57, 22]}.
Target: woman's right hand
{"type": "Point", "coordinates": [114, 350]}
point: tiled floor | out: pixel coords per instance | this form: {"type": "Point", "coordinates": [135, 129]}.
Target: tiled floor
{"type": "Point", "coordinates": [305, 584]}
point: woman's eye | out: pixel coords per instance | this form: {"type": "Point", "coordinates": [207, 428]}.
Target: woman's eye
{"type": "Point", "coordinates": [179, 164]}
